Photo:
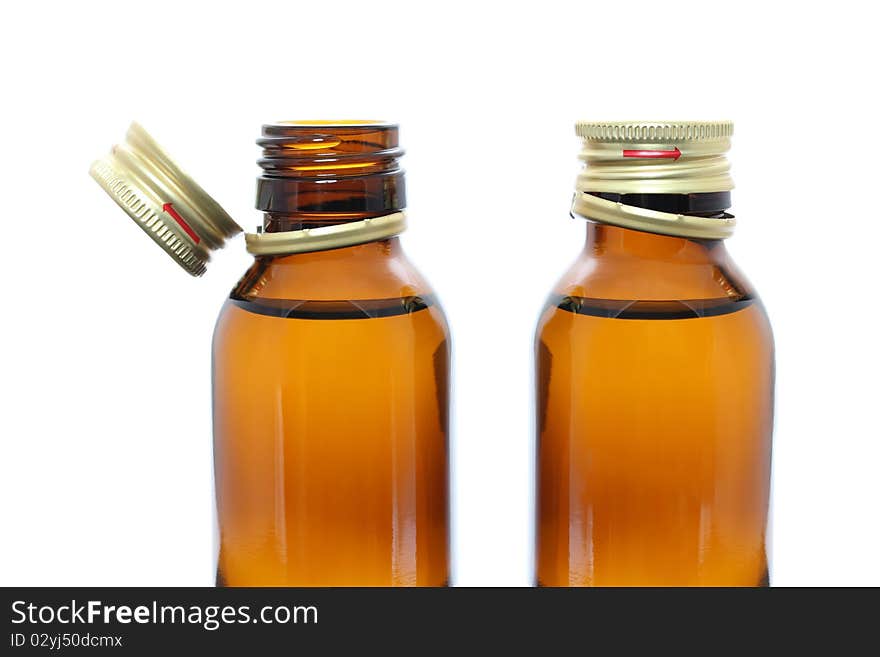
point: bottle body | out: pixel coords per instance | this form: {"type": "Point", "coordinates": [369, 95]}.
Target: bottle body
{"type": "Point", "coordinates": [330, 423]}
{"type": "Point", "coordinates": [655, 407]}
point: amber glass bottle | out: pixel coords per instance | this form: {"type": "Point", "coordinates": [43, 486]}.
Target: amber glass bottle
{"type": "Point", "coordinates": [331, 381]}
{"type": "Point", "coordinates": [654, 380]}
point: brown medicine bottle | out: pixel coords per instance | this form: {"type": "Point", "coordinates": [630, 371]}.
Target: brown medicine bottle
{"type": "Point", "coordinates": [654, 375]}
{"type": "Point", "coordinates": [331, 366]}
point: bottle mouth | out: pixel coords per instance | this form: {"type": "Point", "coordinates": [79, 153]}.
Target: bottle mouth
{"type": "Point", "coordinates": [322, 149]}
{"type": "Point", "coordinates": [329, 171]}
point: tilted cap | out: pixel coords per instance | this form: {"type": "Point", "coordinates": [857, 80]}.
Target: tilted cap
{"type": "Point", "coordinates": [165, 202]}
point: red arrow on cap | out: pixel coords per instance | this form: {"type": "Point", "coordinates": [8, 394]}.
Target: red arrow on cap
{"type": "Point", "coordinates": [169, 208]}
{"type": "Point", "coordinates": [673, 154]}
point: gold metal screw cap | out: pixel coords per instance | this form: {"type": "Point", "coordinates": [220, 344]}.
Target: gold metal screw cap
{"type": "Point", "coordinates": [654, 157]}
{"type": "Point", "coordinates": [165, 202]}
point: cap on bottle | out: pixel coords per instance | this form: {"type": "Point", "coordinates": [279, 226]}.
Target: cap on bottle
{"type": "Point", "coordinates": [654, 157]}
{"type": "Point", "coordinates": [165, 202]}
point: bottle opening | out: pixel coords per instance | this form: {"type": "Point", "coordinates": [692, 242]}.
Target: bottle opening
{"type": "Point", "coordinates": [318, 173]}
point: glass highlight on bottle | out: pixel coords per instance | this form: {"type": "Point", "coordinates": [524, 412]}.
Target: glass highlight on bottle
{"type": "Point", "coordinates": [331, 381]}
{"type": "Point", "coordinates": [654, 375]}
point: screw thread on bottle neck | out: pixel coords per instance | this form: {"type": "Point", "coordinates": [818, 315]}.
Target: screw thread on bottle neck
{"type": "Point", "coordinates": [319, 173]}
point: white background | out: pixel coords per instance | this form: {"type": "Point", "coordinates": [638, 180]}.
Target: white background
{"type": "Point", "coordinates": [105, 470]}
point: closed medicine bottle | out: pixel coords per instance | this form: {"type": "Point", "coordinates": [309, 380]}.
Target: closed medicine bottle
{"type": "Point", "coordinates": [654, 375]}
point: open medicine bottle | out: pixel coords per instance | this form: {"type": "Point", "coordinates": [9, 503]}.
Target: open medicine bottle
{"type": "Point", "coordinates": [330, 360]}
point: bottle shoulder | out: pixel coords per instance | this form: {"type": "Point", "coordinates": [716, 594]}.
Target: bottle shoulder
{"type": "Point", "coordinates": [682, 279]}
{"type": "Point", "coordinates": [376, 270]}
{"type": "Point", "coordinates": [374, 281]}
{"type": "Point", "coordinates": [701, 271]}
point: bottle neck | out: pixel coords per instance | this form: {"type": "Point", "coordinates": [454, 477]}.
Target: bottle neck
{"type": "Point", "coordinates": [615, 243]}
{"type": "Point", "coordinates": [279, 222]}
{"type": "Point", "coordinates": [355, 259]}
{"type": "Point", "coordinates": [320, 174]}
{"type": "Point", "coordinates": [606, 240]}
{"type": "Point", "coordinates": [704, 204]}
